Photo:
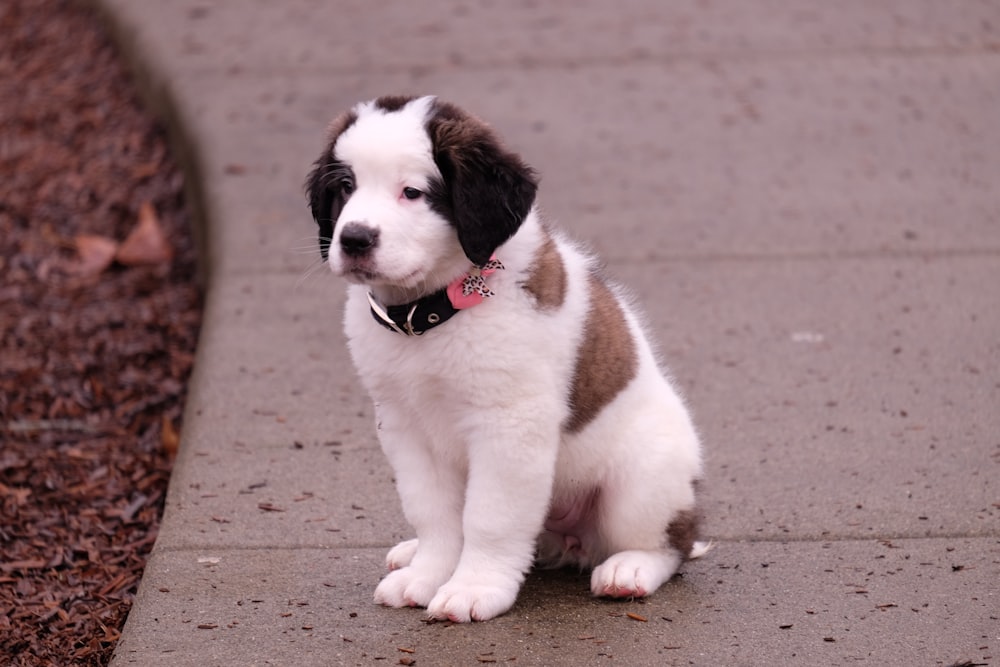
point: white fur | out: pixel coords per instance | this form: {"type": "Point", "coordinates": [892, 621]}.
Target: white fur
{"type": "Point", "coordinates": [470, 414]}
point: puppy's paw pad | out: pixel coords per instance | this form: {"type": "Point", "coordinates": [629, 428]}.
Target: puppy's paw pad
{"type": "Point", "coordinates": [462, 603]}
{"type": "Point", "coordinates": [620, 587]}
{"type": "Point", "coordinates": [633, 574]}
{"type": "Point", "coordinates": [400, 555]}
{"type": "Point", "coordinates": [406, 587]}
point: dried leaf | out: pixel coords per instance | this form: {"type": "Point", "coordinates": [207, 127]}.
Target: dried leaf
{"type": "Point", "coordinates": [146, 243]}
{"type": "Point", "coordinates": [94, 254]}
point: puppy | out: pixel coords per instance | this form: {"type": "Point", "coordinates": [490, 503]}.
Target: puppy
{"type": "Point", "coordinates": [517, 398]}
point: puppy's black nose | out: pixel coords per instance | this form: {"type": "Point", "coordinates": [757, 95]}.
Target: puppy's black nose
{"type": "Point", "coordinates": [357, 239]}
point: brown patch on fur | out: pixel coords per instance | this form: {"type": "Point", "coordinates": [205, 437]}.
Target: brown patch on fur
{"type": "Point", "coordinates": [547, 281]}
{"type": "Point", "coordinates": [606, 361]}
{"type": "Point", "coordinates": [683, 531]}
{"type": "Point", "coordinates": [458, 136]}
{"type": "Point", "coordinates": [338, 125]}
{"type": "Point", "coordinates": [392, 103]}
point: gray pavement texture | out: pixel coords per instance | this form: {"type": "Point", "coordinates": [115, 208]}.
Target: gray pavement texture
{"type": "Point", "coordinates": [802, 195]}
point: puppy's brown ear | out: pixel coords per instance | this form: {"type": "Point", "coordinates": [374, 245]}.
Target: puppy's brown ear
{"type": "Point", "coordinates": [487, 190]}
{"type": "Point", "coordinates": [324, 184]}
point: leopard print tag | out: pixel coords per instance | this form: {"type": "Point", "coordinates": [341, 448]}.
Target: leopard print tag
{"type": "Point", "coordinates": [474, 282]}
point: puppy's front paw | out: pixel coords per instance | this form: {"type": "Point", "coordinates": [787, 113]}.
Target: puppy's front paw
{"type": "Point", "coordinates": [633, 574]}
{"type": "Point", "coordinates": [407, 587]}
{"type": "Point", "coordinates": [400, 555]}
{"type": "Point", "coordinates": [467, 600]}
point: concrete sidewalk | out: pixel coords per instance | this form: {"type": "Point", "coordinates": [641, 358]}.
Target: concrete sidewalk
{"type": "Point", "coordinates": [805, 200]}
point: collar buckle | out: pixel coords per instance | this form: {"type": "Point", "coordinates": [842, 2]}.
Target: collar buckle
{"type": "Point", "coordinates": [383, 317]}
{"type": "Point", "coordinates": [409, 322]}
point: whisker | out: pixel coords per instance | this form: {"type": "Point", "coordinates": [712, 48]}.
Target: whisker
{"type": "Point", "coordinates": [304, 250]}
{"type": "Point", "coordinates": [314, 269]}
{"type": "Point", "coordinates": [309, 245]}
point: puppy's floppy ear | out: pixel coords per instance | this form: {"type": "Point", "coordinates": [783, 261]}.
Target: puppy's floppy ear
{"type": "Point", "coordinates": [322, 187]}
{"type": "Point", "coordinates": [487, 190]}
{"type": "Point", "coordinates": [320, 200]}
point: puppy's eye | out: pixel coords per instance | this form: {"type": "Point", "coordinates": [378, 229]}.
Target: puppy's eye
{"type": "Point", "coordinates": [412, 193]}
{"type": "Point", "coordinates": [347, 186]}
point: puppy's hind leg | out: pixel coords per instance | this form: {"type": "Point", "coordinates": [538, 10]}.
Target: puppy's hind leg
{"type": "Point", "coordinates": [634, 573]}
{"type": "Point", "coordinates": [646, 550]}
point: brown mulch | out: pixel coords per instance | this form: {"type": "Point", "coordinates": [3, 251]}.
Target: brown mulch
{"type": "Point", "coordinates": [95, 353]}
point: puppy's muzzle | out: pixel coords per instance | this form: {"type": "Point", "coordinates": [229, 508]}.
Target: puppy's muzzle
{"type": "Point", "coordinates": [358, 240]}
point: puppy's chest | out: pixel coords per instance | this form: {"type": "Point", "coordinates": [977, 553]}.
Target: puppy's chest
{"type": "Point", "coordinates": [443, 366]}
{"type": "Point", "coordinates": [474, 345]}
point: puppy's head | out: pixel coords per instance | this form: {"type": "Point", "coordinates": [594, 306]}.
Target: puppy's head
{"type": "Point", "coordinates": [409, 191]}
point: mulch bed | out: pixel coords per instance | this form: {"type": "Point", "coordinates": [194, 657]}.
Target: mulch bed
{"type": "Point", "coordinates": [97, 343]}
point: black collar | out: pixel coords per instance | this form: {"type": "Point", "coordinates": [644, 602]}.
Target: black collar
{"type": "Point", "coordinates": [415, 317]}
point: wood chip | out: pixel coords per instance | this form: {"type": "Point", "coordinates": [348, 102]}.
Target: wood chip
{"type": "Point", "coordinates": [170, 440]}
{"type": "Point", "coordinates": [637, 617]}
{"type": "Point", "coordinates": [268, 507]}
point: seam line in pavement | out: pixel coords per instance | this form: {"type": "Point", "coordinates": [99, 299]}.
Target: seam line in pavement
{"type": "Point", "coordinates": [707, 58]}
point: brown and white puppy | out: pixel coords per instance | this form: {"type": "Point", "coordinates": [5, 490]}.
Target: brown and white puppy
{"type": "Point", "coordinates": [517, 397]}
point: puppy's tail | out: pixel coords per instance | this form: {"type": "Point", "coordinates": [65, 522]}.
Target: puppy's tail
{"type": "Point", "coordinates": [700, 549]}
